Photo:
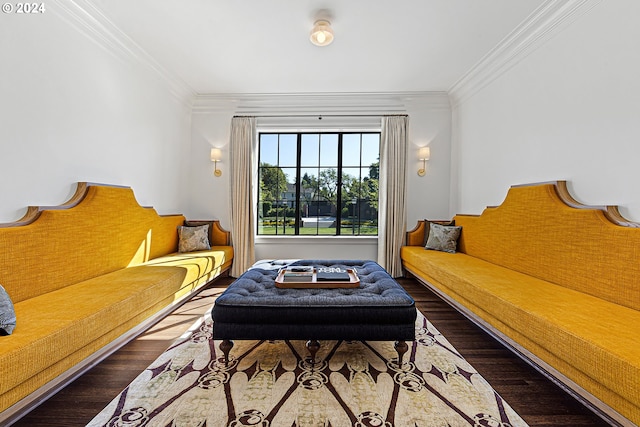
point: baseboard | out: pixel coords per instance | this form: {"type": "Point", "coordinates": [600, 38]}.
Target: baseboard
{"type": "Point", "coordinates": [21, 408]}
{"type": "Point", "coordinates": [601, 409]}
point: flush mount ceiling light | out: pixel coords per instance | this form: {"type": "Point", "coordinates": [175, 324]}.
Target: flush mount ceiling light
{"type": "Point", "coordinates": [322, 33]}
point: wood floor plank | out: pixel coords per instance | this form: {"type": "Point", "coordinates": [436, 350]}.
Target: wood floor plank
{"type": "Point", "coordinates": [540, 402]}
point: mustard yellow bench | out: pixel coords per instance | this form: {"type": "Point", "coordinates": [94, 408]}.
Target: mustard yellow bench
{"type": "Point", "coordinates": [556, 281]}
{"type": "Point", "coordinates": [84, 278]}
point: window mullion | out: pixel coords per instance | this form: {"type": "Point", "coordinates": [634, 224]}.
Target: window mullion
{"type": "Point", "coordinates": [339, 188]}
{"type": "Point", "coordinates": [298, 183]}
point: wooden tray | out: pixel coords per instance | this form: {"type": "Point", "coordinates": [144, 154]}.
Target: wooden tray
{"type": "Point", "coordinates": [353, 282]}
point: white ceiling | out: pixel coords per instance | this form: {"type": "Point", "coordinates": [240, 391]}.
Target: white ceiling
{"type": "Point", "coordinates": [262, 46]}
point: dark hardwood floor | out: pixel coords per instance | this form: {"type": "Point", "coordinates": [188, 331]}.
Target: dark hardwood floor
{"type": "Point", "coordinates": [536, 399]}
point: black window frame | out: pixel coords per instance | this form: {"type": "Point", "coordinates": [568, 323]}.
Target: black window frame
{"type": "Point", "coordinates": [298, 184]}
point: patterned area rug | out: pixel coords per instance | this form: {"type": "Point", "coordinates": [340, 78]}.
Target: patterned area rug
{"type": "Point", "coordinates": [271, 384]}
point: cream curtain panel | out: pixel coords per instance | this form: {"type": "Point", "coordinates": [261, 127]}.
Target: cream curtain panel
{"type": "Point", "coordinates": [392, 205]}
{"type": "Point", "coordinates": [241, 148]}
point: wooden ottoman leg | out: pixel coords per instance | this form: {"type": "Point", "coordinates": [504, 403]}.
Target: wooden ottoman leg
{"type": "Point", "coordinates": [401, 347]}
{"type": "Point", "coordinates": [313, 346]}
{"type": "Point", "coordinates": [226, 346]}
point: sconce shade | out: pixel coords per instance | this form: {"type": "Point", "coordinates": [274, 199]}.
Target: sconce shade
{"type": "Point", "coordinates": [424, 153]}
{"type": "Point", "coordinates": [322, 33]}
{"type": "Point", "coordinates": [216, 154]}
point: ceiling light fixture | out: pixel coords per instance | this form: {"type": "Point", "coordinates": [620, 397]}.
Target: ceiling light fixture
{"type": "Point", "coordinates": [322, 33]}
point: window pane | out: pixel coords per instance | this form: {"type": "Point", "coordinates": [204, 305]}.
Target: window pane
{"type": "Point", "coordinates": [269, 149]}
{"type": "Point", "coordinates": [329, 150]}
{"type": "Point", "coordinates": [351, 149]}
{"type": "Point", "coordinates": [266, 200]}
{"type": "Point", "coordinates": [351, 196]}
{"type": "Point", "coordinates": [368, 208]}
{"type": "Point", "coordinates": [328, 183]}
{"type": "Point", "coordinates": [308, 184]}
{"type": "Point", "coordinates": [288, 149]}
{"type": "Point", "coordinates": [350, 182]}
{"type": "Point", "coordinates": [350, 223]}
{"type": "Point", "coordinates": [274, 199]}
{"type": "Point", "coordinates": [310, 150]}
{"type": "Point", "coordinates": [370, 148]}
{"type": "Point", "coordinates": [270, 182]}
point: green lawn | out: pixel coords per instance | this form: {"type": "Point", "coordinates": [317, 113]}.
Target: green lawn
{"type": "Point", "coordinates": [308, 231]}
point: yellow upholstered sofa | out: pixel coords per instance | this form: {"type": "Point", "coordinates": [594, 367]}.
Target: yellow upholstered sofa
{"type": "Point", "coordinates": [84, 278]}
{"type": "Point", "coordinates": [557, 281]}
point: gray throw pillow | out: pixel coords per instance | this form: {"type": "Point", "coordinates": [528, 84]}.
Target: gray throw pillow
{"type": "Point", "coordinates": [427, 227]}
{"type": "Point", "coordinates": [443, 238]}
{"type": "Point", "coordinates": [193, 238]}
{"type": "Point", "coordinates": [196, 223]}
{"type": "Point", "coordinates": [7, 313]}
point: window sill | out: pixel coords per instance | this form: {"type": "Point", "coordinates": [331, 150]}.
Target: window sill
{"type": "Point", "coordinates": [317, 240]}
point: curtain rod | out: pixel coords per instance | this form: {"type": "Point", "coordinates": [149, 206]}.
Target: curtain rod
{"type": "Point", "coordinates": [320, 116]}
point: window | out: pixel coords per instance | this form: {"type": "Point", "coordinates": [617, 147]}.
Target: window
{"type": "Point", "coordinates": [318, 183]}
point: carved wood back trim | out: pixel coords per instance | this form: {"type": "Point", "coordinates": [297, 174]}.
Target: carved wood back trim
{"type": "Point", "coordinates": [34, 212]}
{"type": "Point", "coordinates": [611, 212]}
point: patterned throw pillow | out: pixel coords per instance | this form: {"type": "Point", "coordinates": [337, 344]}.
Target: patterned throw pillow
{"type": "Point", "coordinates": [7, 313]}
{"type": "Point", "coordinates": [427, 227]}
{"type": "Point", "coordinates": [196, 223]}
{"type": "Point", "coordinates": [193, 238]}
{"type": "Point", "coordinates": [443, 238]}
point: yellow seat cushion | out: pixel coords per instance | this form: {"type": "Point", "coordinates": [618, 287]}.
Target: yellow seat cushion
{"type": "Point", "coordinates": [59, 329]}
{"type": "Point", "coordinates": [200, 267]}
{"type": "Point", "coordinates": [592, 338]}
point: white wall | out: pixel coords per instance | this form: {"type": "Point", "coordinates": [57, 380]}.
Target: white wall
{"type": "Point", "coordinates": [72, 109]}
{"type": "Point", "coordinates": [428, 196]}
{"type": "Point", "coordinates": [208, 194]}
{"type": "Point", "coordinates": [570, 110]}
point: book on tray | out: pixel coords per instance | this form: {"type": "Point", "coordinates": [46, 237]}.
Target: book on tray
{"type": "Point", "coordinates": [298, 274]}
{"type": "Point", "coordinates": [332, 274]}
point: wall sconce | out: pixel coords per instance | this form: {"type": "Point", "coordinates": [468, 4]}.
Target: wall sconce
{"type": "Point", "coordinates": [322, 33]}
{"type": "Point", "coordinates": [216, 155]}
{"type": "Point", "coordinates": [423, 154]}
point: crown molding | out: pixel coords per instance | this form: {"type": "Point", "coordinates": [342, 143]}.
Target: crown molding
{"type": "Point", "coordinates": [291, 104]}
{"type": "Point", "coordinates": [89, 20]}
{"type": "Point", "coordinates": [549, 19]}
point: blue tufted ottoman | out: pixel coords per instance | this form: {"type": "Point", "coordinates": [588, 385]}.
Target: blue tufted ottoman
{"type": "Point", "coordinates": [253, 308]}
